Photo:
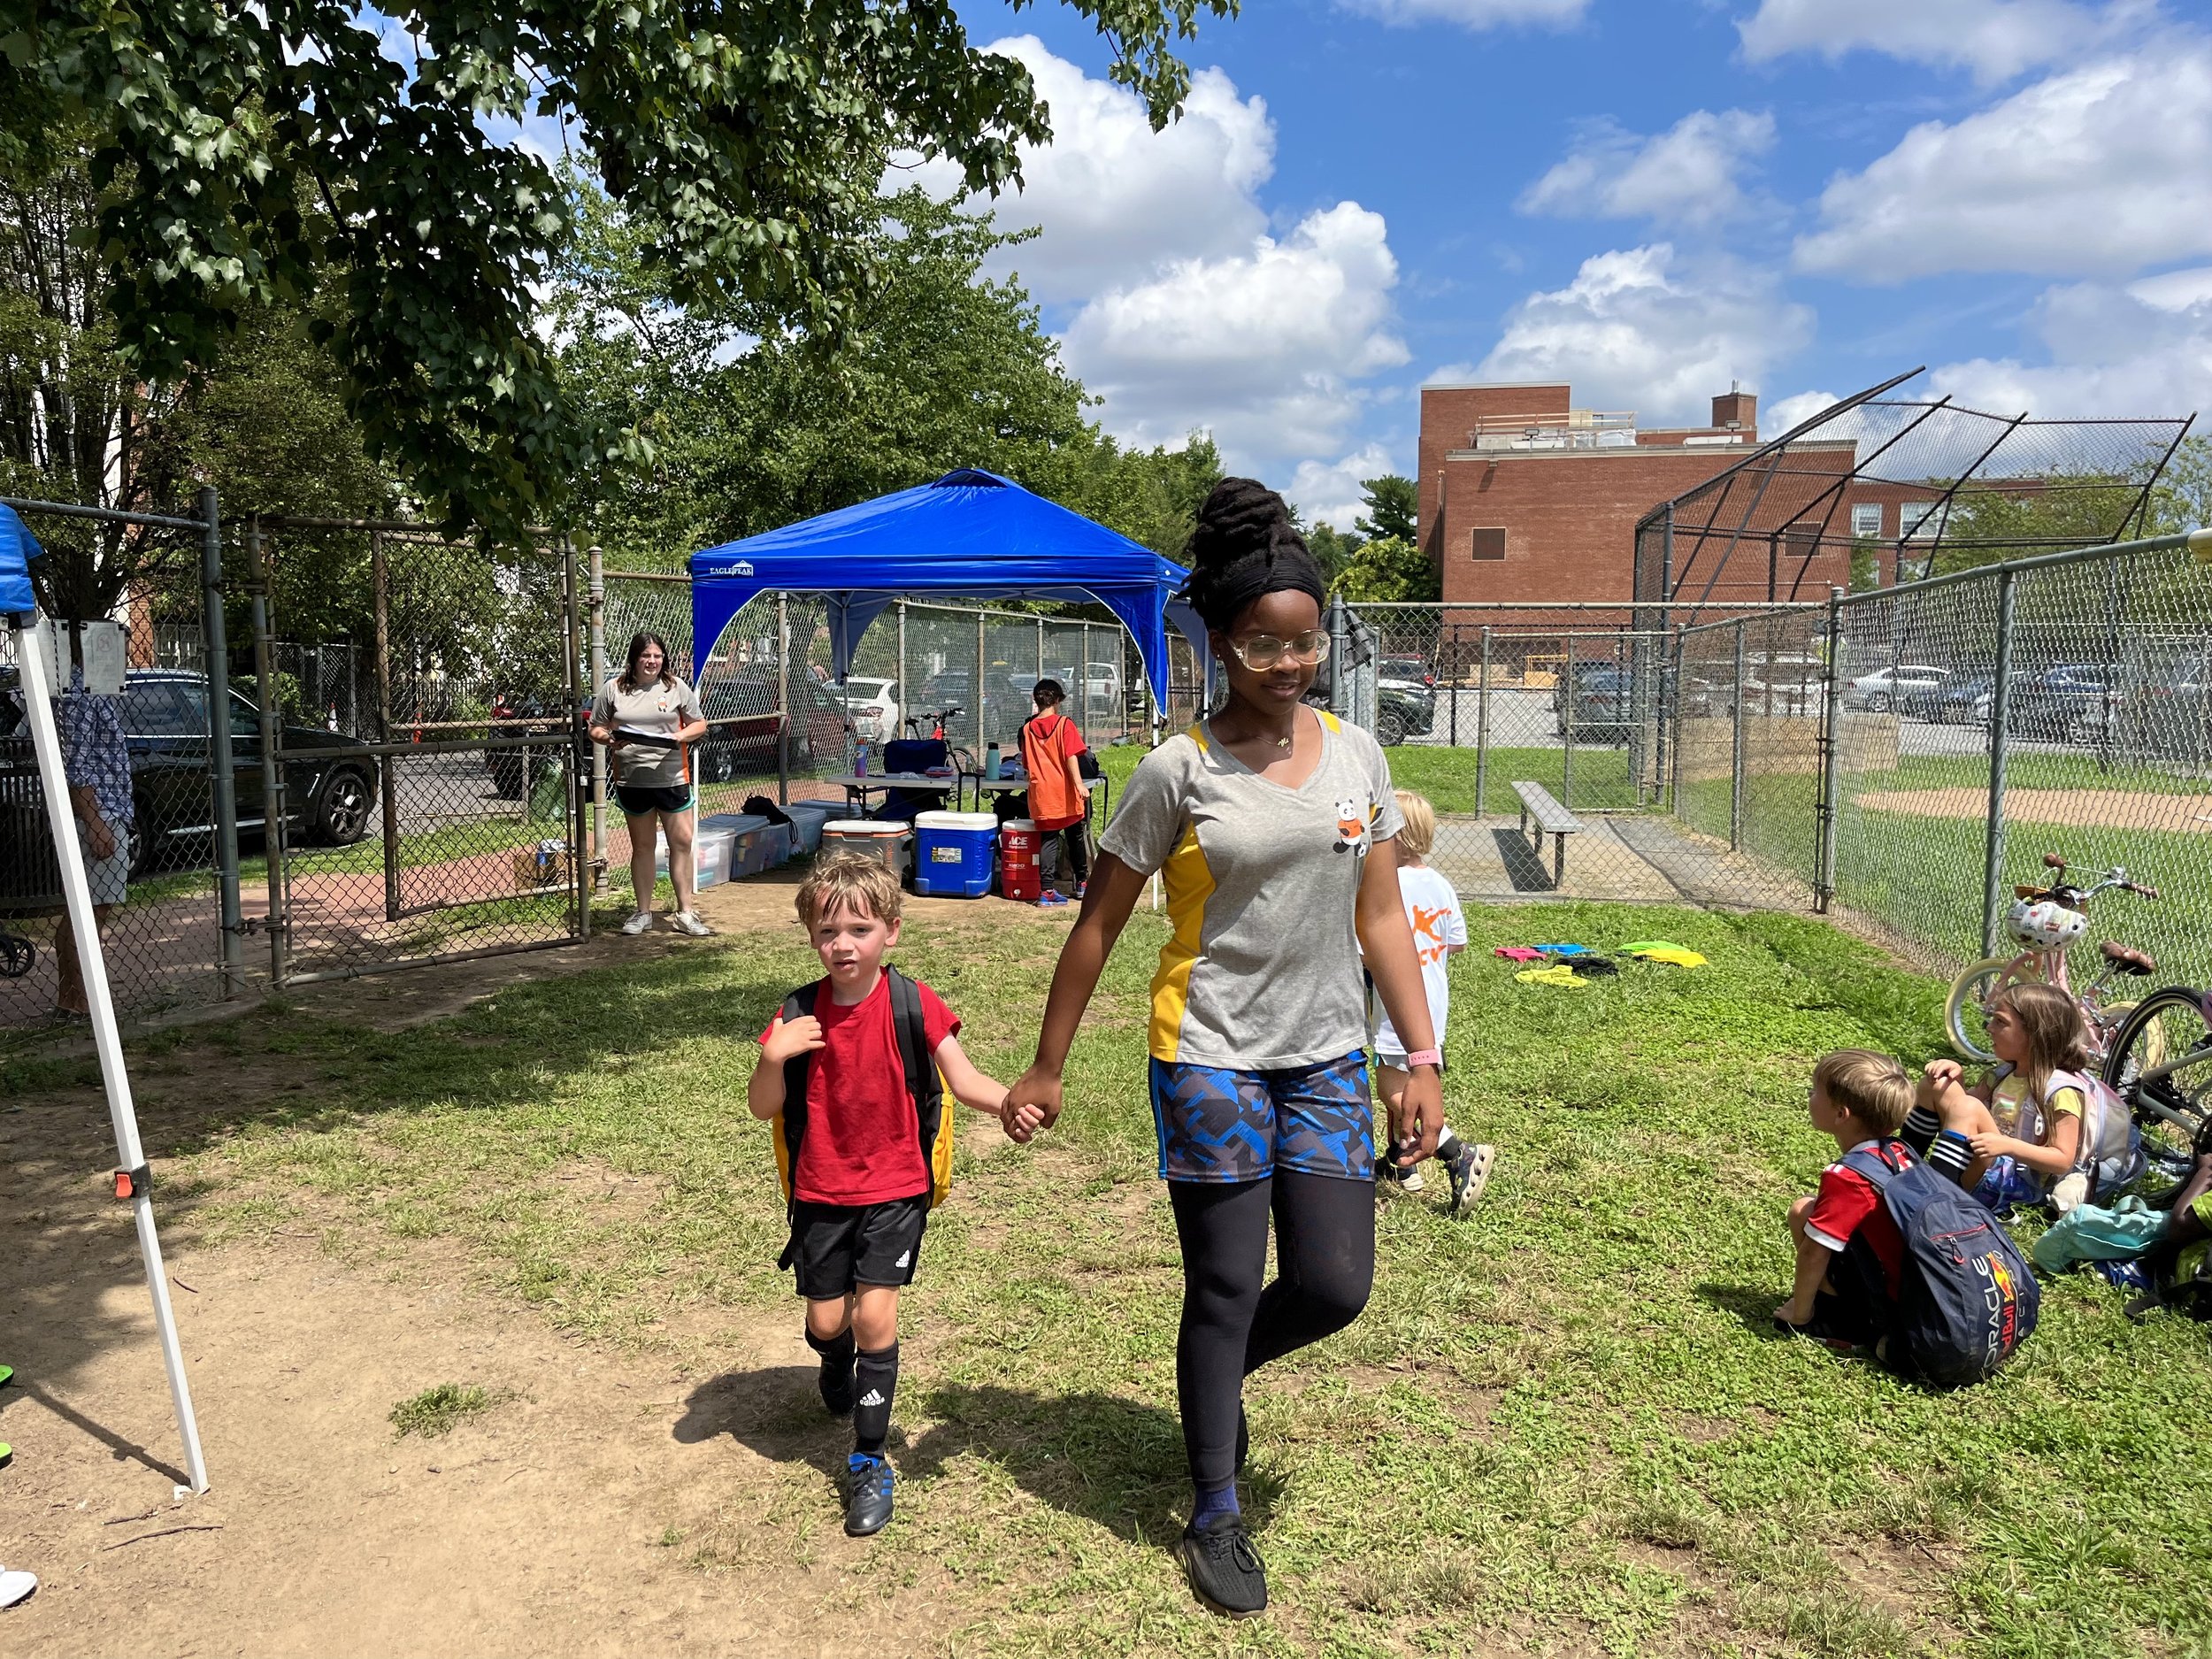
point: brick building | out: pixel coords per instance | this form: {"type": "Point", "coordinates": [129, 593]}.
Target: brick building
{"type": "Point", "coordinates": [1524, 497]}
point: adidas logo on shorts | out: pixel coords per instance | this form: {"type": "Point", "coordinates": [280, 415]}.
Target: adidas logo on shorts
{"type": "Point", "coordinates": [905, 1258]}
{"type": "Point", "coordinates": [873, 1397]}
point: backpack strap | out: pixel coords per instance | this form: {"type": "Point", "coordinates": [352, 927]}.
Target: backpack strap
{"type": "Point", "coordinates": [788, 1127]}
{"type": "Point", "coordinates": [910, 1025]}
{"type": "Point", "coordinates": [1876, 1170]}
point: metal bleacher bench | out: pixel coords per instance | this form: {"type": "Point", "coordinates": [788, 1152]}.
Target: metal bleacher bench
{"type": "Point", "coordinates": [1551, 819]}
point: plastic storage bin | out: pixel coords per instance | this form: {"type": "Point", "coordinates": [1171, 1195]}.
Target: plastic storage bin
{"type": "Point", "coordinates": [952, 853]}
{"type": "Point", "coordinates": [807, 819]}
{"type": "Point", "coordinates": [882, 838]}
{"type": "Point", "coordinates": [1018, 876]}
{"type": "Point", "coordinates": [760, 845]}
{"type": "Point", "coordinates": [711, 855]}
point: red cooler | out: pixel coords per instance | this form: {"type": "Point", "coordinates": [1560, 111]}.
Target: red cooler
{"type": "Point", "coordinates": [1017, 871]}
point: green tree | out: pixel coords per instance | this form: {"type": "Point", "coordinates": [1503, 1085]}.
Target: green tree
{"type": "Point", "coordinates": [1332, 550]}
{"type": "Point", "coordinates": [1389, 568]}
{"type": "Point", "coordinates": [1989, 524]}
{"type": "Point", "coordinates": [1394, 508]}
{"type": "Point", "coordinates": [259, 156]}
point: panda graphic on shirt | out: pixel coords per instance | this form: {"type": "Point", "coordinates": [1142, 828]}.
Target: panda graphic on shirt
{"type": "Point", "coordinates": [1353, 818]}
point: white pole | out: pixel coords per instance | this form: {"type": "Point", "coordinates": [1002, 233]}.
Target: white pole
{"type": "Point", "coordinates": [31, 654]}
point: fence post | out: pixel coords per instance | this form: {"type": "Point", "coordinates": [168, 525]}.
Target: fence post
{"type": "Point", "coordinates": [1735, 752]}
{"type": "Point", "coordinates": [1567, 730]}
{"type": "Point", "coordinates": [596, 642]}
{"type": "Point", "coordinates": [273, 814]}
{"type": "Point", "coordinates": [905, 698]}
{"type": "Point", "coordinates": [215, 652]}
{"type": "Point", "coordinates": [575, 647]}
{"type": "Point", "coordinates": [783, 694]}
{"type": "Point", "coordinates": [1667, 762]}
{"type": "Point", "coordinates": [981, 663]}
{"type": "Point", "coordinates": [380, 603]}
{"type": "Point", "coordinates": [1041, 648]}
{"type": "Point", "coordinates": [1482, 728]}
{"type": "Point", "coordinates": [1831, 746]}
{"type": "Point", "coordinates": [2000, 744]}
{"type": "Point", "coordinates": [1084, 669]}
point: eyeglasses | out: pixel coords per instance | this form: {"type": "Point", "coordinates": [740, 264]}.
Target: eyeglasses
{"type": "Point", "coordinates": [1262, 651]}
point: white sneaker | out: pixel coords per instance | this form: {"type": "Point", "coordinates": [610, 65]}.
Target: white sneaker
{"type": "Point", "coordinates": [641, 923]}
{"type": "Point", "coordinates": [14, 1586]}
{"type": "Point", "coordinates": [685, 922]}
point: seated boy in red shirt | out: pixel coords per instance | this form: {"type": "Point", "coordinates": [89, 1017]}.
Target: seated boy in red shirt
{"type": "Point", "coordinates": [863, 1156]}
{"type": "Point", "coordinates": [1850, 1256]}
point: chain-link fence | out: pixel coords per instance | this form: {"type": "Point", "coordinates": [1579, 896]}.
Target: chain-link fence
{"type": "Point", "coordinates": [422, 746]}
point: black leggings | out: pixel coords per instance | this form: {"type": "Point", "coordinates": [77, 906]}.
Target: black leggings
{"type": "Point", "coordinates": [1325, 1253]}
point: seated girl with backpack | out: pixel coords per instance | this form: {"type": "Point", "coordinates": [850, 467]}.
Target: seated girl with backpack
{"type": "Point", "coordinates": [2042, 1127]}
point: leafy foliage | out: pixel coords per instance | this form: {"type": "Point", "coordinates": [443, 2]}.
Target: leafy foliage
{"type": "Point", "coordinates": [259, 157]}
{"type": "Point", "coordinates": [1393, 506]}
{"type": "Point", "coordinates": [1389, 569]}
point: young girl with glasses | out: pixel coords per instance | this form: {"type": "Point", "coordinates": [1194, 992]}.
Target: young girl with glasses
{"type": "Point", "coordinates": [1274, 829]}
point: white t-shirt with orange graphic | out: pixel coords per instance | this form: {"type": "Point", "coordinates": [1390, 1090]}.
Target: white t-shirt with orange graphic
{"type": "Point", "coordinates": [1438, 924]}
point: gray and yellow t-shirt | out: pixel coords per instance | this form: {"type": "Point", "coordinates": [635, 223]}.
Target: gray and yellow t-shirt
{"type": "Point", "coordinates": [653, 709]}
{"type": "Point", "coordinates": [1262, 886]}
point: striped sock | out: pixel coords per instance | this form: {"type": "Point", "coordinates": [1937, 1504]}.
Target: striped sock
{"type": "Point", "coordinates": [1952, 1155]}
{"type": "Point", "coordinates": [1922, 1126]}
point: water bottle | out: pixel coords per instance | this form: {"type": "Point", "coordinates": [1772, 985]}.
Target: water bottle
{"type": "Point", "coordinates": [860, 761]}
{"type": "Point", "coordinates": [990, 760]}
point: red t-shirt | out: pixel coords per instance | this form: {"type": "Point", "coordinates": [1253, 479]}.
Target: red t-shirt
{"type": "Point", "coordinates": [1847, 1205]}
{"type": "Point", "coordinates": [862, 1142]}
{"type": "Point", "coordinates": [1048, 742]}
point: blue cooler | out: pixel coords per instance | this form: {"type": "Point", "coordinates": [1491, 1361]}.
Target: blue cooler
{"type": "Point", "coordinates": [807, 819]}
{"type": "Point", "coordinates": [952, 853]}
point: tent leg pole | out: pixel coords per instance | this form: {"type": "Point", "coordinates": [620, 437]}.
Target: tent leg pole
{"type": "Point", "coordinates": [107, 1039]}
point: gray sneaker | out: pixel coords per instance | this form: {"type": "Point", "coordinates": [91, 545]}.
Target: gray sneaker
{"type": "Point", "coordinates": [641, 923]}
{"type": "Point", "coordinates": [686, 922]}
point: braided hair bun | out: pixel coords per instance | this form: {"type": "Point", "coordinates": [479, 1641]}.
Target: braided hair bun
{"type": "Point", "coordinates": [1245, 547]}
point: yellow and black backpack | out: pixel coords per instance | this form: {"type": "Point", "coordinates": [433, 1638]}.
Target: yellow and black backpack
{"type": "Point", "coordinates": [926, 1088]}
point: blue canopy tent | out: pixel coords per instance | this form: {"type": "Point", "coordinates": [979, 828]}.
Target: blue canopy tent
{"type": "Point", "coordinates": [34, 654]}
{"type": "Point", "coordinates": [971, 532]}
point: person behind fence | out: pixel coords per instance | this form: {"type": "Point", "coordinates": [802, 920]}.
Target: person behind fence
{"type": "Point", "coordinates": [2016, 1136]}
{"type": "Point", "coordinates": [1275, 832]}
{"type": "Point", "coordinates": [1850, 1255]}
{"type": "Point", "coordinates": [648, 719]}
{"type": "Point", "coordinates": [1440, 933]}
{"type": "Point", "coordinates": [1059, 800]}
{"type": "Point", "coordinates": [95, 760]}
{"type": "Point", "coordinates": [852, 1073]}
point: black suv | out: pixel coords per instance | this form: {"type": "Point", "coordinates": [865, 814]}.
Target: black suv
{"type": "Point", "coordinates": [165, 721]}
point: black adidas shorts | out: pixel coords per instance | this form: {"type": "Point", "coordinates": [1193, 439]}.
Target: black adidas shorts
{"type": "Point", "coordinates": [837, 1247]}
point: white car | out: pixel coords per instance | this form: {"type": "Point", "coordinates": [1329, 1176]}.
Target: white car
{"type": "Point", "coordinates": [1104, 682]}
{"type": "Point", "coordinates": [875, 705]}
{"type": "Point", "coordinates": [1882, 690]}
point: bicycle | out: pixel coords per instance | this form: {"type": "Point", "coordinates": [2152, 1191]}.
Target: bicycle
{"type": "Point", "coordinates": [2160, 1063]}
{"type": "Point", "coordinates": [2046, 921]}
{"type": "Point", "coordinates": [960, 759]}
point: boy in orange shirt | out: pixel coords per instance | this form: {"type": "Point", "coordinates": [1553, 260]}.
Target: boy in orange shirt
{"type": "Point", "coordinates": [1059, 800]}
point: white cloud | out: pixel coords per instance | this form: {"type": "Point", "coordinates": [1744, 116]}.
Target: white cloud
{"type": "Point", "coordinates": [1688, 174]}
{"type": "Point", "coordinates": [1329, 492]}
{"type": "Point", "coordinates": [1785, 412]}
{"type": "Point", "coordinates": [1631, 332]}
{"type": "Point", "coordinates": [1112, 198]}
{"type": "Point", "coordinates": [2101, 170]}
{"type": "Point", "coordinates": [1994, 39]}
{"type": "Point", "coordinates": [1477, 14]}
{"type": "Point", "coordinates": [2111, 351]}
{"type": "Point", "coordinates": [1261, 346]}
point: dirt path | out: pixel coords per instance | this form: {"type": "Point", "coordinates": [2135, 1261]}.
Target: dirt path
{"type": "Point", "coordinates": [2077, 809]}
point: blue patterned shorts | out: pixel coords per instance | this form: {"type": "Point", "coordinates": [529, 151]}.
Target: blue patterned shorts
{"type": "Point", "coordinates": [1216, 1124]}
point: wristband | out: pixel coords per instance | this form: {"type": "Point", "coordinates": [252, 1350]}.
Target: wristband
{"type": "Point", "coordinates": [1427, 1057]}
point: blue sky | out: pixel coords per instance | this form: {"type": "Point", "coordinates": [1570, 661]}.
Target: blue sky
{"type": "Point", "coordinates": [1650, 197]}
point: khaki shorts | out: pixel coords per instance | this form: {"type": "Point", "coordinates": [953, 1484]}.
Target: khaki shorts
{"type": "Point", "coordinates": [109, 878]}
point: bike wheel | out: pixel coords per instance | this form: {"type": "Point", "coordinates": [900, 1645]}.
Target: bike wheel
{"type": "Point", "coordinates": [2168, 1027]}
{"type": "Point", "coordinates": [1963, 1014]}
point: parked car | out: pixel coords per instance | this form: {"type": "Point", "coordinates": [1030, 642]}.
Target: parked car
{"type": "Point", "coordinates": [875, 706]}
{"type": "Point", "coordinates": [1962, 700]}
{"type": "Point", "coordinates": [1404, 671]}
{"type": "Point", "coordinates": [1102, 682]}
{"type": "Point", "coordinates": [1603, 708]}
{"type": "Point", "coordinates": [1882, 690]}
{"type": "Point", "coordinates": [2074, 702]}
{"type": "Point", "coordinates": [330, 797]}
{"type": "Point", "coordinates": [1402, 712]}
{"type": "Point", "coordinates": [742, 724]}
{"type": "Point", "coordinates": [1577, 674]}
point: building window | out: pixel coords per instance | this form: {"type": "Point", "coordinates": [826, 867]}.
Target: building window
{"type": "Point", "coordinates": [1866, 521]}
{"type": "Point", "coordinates": [1918, 519]}
{"type": "Point", "coordinates": [1488, 544]}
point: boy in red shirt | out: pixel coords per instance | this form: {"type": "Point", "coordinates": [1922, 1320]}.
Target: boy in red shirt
{"type": "Point", "coordinates": [863, 1157]}
{"type": "Point", "coordinates": [1059, 800]}
{"type": "Point", "coordinates": [1850, 1256]}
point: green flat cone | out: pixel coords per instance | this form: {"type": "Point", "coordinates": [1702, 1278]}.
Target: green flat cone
{"type": "Point", "coordinates": [6, 1371]}
{"type": "Point", "coordinates": [7, 1454]}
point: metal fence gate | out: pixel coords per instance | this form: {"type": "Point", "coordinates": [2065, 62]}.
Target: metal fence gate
{"type": "Point", "coordinates": [444, 825]}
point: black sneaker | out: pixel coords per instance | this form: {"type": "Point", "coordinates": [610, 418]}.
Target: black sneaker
{"type": "Point", "coordinates": [867, 1494]}
{"type": "Point", "coordinates": [1471, 1173]}
{"type": "Point", "coordinates": [836, 1383]}
{"type": "Point", "coordinates": [1226, 1571]}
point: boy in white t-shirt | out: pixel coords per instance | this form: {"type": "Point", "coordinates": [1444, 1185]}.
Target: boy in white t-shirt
{"type": "Point", "coordinates": [1440, 933]}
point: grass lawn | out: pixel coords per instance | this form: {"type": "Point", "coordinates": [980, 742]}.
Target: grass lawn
{"type": "Point", "coordinates": [1565, 1426]}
